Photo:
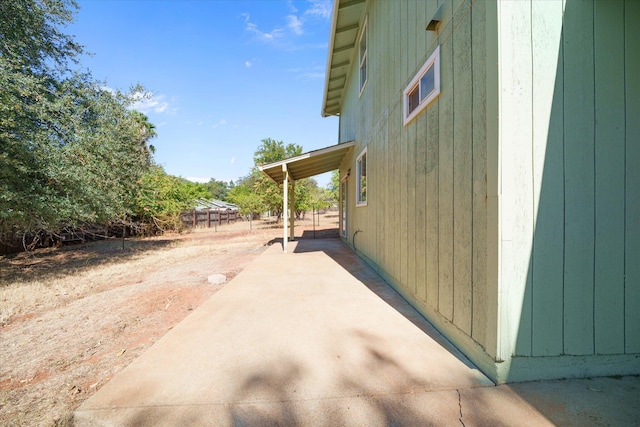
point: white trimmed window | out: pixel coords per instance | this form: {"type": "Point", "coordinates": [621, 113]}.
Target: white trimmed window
{"type": "Point", "coordinates": [361, 179]}
{"type": "Point", "coordinates": [423, 89]}
{"type": "Point", "coordinates": [362, 55]}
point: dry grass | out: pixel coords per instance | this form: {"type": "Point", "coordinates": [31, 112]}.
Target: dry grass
{"type": "Point", "coordinates": [73, 317]}
{"type": "Point", "coordinates": [31, 282]}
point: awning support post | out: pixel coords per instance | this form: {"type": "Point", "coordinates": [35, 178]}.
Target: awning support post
{"type": "Point", "coordinates": [285, 207]}
{"type": "Point", "coordinates": [292, 213]}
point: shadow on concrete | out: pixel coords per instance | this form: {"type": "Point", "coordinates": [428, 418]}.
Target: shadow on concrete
{"type": "Point", "coordinates": [272, 400]}
{"type": "Point", "coordinates": [342, 254]}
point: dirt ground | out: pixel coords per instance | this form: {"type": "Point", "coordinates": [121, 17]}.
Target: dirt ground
{"type": "Point", "coordinates": [73, 317]}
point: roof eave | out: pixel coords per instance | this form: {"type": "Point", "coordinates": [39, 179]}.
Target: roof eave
{"type": "Point", "coordinates": [327, 75]}
{"type": "Point", "coordinates": [316, 162]}
{"type": "Point", "coordinates": [341, 57]}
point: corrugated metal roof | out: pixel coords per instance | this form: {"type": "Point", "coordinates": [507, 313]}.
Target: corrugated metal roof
{"type": "Point", "coordinates": [308, 164]}
{"type": "Point", "coordinates": [214, 204]}
{"type": "Point", "coordinates": [345, 27]}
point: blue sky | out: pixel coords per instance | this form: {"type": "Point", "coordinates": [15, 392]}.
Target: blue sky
{"type": "Point", "coordinates": [224, 75]}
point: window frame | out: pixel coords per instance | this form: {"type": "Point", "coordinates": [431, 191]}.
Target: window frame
{"type": "Point", "coordinates": [344, 206]}
{"type": "Point", "coordinates": [423, 101]}
{"type": "Point", "coordinates": [363, 59]}
{"type": "Point", "coordinates": [359, 201]}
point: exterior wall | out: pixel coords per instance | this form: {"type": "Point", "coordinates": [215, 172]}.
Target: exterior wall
{"type": "Point", "coordinates": [508, 211]}
{"type": "Point", "coordinates": [570, 200]}
{"type": "Point", "coordinates": [425, 227]}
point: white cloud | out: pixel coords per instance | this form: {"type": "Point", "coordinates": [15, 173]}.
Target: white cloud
{"type": "Point", "coordinates": [274, 34]}
{"type": "Point", "coordinates": [295, 24]}
{"type": "Point", "coordinates": [147, 102]}
{"type": "Point", "coordinates": [321, 8]}
{"type": "Point", "coordinates": [248, 64]}
{"type": "Point", "coordinates": [292, 8]}
{"type": "Point", "coordinates": [220, 123]}
{"type": "Point", "coordinates": [233, 160]}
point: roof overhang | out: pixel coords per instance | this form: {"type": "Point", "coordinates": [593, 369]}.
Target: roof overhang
{"type": "Point", "coordinates": [345, 28]}
{"type": "Point", "coordinates": [308, 164]}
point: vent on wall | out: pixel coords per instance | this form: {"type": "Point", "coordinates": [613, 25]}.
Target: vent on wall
{"type": "Point", "coordinates": [435, 20]}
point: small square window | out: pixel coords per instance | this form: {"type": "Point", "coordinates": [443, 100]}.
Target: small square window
{"type": "Point", "coordinates": [423, 89]}
{"type": "Point", "coordinates": [361, 179]}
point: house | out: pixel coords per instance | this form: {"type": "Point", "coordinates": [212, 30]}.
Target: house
{"type": "Point", "coordinates": [493, 173]}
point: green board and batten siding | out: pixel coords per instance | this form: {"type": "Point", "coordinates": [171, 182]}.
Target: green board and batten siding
{"type": "Point", "coordinates": [632, 178]}
{"type": "Point", "coordinates": [428, 177]}
{"type": "Point", "coordinates": [569, 77]}
{"type": "Point", "coordinates": [508, 211]}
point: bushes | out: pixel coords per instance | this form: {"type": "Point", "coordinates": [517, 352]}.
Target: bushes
{"type": "Point", "coordinates": [161, 198]}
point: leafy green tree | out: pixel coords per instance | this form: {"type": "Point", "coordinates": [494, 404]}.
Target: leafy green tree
{"type": "Point", "coordinates": [306, 191]}
{"type": "Point", "coordinates": [218, 189]}
{"type": "Point", "coordinates": [31, 40]}
{"type": "Point", "coordinates": [248, 202]}
{"type": "Point", "coordinates": [271, 151]}
{"type": "Point", "coordinates": [162, 198]}
{"type": "Point", "coordinates": [334, 186]}
{"type": "Point", "coordinates": [147, 130]}
{"type": "Point", "coordinates": [71, 152]}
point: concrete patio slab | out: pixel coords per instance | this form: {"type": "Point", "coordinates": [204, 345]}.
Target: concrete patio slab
{"type": "Point", "coordinates": [313, 337]}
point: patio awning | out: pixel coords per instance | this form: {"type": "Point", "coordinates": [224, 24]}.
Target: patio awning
{"type": "Point", "coordinates": [307, 164]}
{"type": "Point", "coordinates": [286, 172]}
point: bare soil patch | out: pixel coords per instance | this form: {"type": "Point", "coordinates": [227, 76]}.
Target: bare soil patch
{"type": "Point", "coordinates": [72, 317]}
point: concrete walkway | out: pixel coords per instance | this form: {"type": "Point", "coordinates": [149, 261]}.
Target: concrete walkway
{"type": "Point", "coordinates": [315, 338]}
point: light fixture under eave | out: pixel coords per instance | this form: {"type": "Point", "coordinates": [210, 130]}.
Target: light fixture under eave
{"type": "Point", "coordinates": [435, 20]}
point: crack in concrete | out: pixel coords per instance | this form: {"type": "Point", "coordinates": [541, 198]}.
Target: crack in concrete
{"type": "Point", "coordinates": [460, 408]}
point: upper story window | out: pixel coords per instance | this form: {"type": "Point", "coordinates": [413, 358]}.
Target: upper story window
{"type": "Point", "coordinates": [362, 55]}
{"type": "Point", "coordinates": [361, 179]}
{"type": "Point", "coordinates": [424, 87]}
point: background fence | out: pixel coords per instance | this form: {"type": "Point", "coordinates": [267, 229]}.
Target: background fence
{"type": "Point", "coordinates": [207, 218]}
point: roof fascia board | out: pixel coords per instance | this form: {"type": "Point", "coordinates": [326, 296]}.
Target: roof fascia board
{"type": "Point", "coordinates": [307, 155]}
{"type": "Point", "coordinates": [351, 3]}
{"type": "Point", "coordinates": [282, 165]}
{"type": "Point", "coordinates": [334, 22]}
{"type": "Point", "coordinates": [339, 6]}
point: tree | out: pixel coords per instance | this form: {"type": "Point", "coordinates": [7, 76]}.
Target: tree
{"type": "Point", "coordinates": [334, 186]}
{"type": "Point", "coordinates": [248, 202]}
{"type": "Point", "coordinates": [306, 193]}
{"type": "Point", "coordinates": [147, 130]}
{"type": "Point", "coordinates": [218, 189]}
{"type": "Point", "coordinates": [268, 152]}
{"type": "Point", "coordinates": [31, 39]}
{"type": "Point", "coordinates": [71, 151]}
{"type": "Point", "coordinates": [162, 198]}
{"type": "Point", "coordinates": [273, 151]}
